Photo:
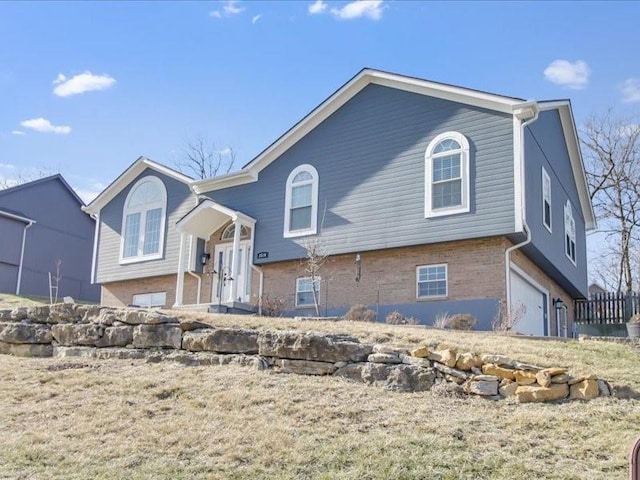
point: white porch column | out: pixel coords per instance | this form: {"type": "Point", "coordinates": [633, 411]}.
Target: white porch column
{"type": "Point", "coordinates": [180, 279]}
{"type": "Point", "coordinates": [235, 266]}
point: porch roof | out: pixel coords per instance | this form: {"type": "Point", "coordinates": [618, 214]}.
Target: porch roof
{"type": "Point", "coordinates": [208, 216]}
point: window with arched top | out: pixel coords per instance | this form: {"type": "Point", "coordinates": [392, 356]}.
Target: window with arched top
{"type": "Point", "coordinates": [229, 232]}
{"type": "Point", "coordinates": [143, 221]}
{"type": "Point", "coordinates": [447, 175]}
{"type": "Point", "coordinates": [301, 202]}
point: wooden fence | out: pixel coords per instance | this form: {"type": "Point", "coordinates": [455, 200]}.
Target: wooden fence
{"type": "Point", "coordinates": [607, 308]}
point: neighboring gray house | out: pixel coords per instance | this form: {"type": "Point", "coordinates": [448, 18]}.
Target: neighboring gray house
{"type": "Point", "coordinates": [428, 198]}
{"type": "Point", "coordinates": [41, 223]}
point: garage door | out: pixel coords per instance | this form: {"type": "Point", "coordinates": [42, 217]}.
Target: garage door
{"type": "Point", "coordinates": [533, 302]}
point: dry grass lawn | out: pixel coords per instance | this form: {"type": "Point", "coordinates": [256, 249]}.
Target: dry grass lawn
{"type": "Point", "coordinates": [81, 419]}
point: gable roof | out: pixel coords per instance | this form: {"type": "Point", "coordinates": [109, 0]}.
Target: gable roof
{"type": "Point", "coordinates": [35, 183]}
{"type": "Point", "coordinates": [575, 156]}
{"type": "Point", "coordinates": [367, 76]}
{"type": "Point", "coordinates": [126, 177]}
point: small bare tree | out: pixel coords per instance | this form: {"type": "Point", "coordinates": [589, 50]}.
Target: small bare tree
{"type": "Point", "coordinates": [54, 282]}
{"type": "Point", "coordinates": [315, 258]}
{"type": "Point", "coordinates": [202, 159]}
{"type": "Point", "coordinates": [612, 158]}
{"type": "Point", "coordinates": [24, 176]}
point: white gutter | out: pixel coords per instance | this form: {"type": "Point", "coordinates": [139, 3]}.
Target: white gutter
{"type": "Point", "coordinates": [530, 108]}
{"type": "Point", "coordinates": [24, 241]}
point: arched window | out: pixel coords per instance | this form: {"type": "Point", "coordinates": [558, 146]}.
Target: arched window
{"type": "Point", "coordinates": [230, 231]}
{"type": "Point", "coordinates": [447, 175]}
{"type": "Point", "coordinates": [301, 202]}
{"type": "Point", "coordinates": [143, 221]}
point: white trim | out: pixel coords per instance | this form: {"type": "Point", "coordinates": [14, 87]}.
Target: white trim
{"type": "Point", "coordinates": [140, 257]}
{"type": "Point", "coordinates": [446, 282]}
{"type": "Point", "coordinates": [16, 217]}
{"type": "Point", "coordinates": [24, 242]}
{"type": "Point", "coordinates": [223, 181]}
{"type": "Point", "coordinates": [128, 176]}
{"type": "Point", "coordinates": [228, 228]}
{"type": "Point", "coordinates": [318, 281]}
{"type": "Point", "coordinates": [464, 207]}
{"type": "Point", "coordinates": [245, 246]}
{"type": "Point", "coordinates": [313, 228]}
{"type": "Point", "coordinates": [529, 279]}
{"type": "Point", "coordinates": [545, 176]}
{"type": "Point", "coordinates": [149, 295]}
{"type": "Point", "coordinates": [208, 203]}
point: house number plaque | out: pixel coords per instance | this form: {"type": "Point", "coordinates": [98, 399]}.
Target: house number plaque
{"type": "Point", "coordinates": [262, 255]}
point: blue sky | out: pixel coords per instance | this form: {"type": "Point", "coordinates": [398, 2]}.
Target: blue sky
{"type": "Point", "coordinates": [86, 88]}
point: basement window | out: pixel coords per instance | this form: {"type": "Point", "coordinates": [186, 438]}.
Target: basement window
{"type": "Point", "coordinates": [431, 281]}
{"type": "Point", "coordinates": [304, 291]}
{"type": "Point", "coordinates": [157, 299]}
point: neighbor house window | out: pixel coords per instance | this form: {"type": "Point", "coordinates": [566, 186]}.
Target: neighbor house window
{"type": "Point", "coordinates": [431, 281]}
{"type": "Point", "coordinates": [569, 232]}
{"type": "Point", "coordinates": [546, 199]}
{"type": "Point", "coordinates": [301, 202]}
{"type": "Point", "coordinates": [304, 291]}
{"type": "Point", "coordinates": [447, 175]}
{"type": "Point", "coordinates": [158, 299]}
{"type": "Point", "coordinates": [143, 220]}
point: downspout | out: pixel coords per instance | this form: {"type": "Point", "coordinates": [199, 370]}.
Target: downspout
{"type": "Point", "coordinates": [96, 219]}
{"type": "Point", "coordinates": [198, 277]}
{"type": "Point", "coordinates": [24, 241]}
{"type": "Point", "coordinates": [523, 211]}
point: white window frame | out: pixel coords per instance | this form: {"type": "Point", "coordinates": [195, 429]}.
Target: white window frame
{"type": "Point", "coordinates": [149, 297]}
{"type": "Point", "coordinates": [569, 233]}
{"type": "Point", "coordinates": [229, 232]}
{"type": "Point", "coordinates": [318, 282]}
{"type": "Point", "coordinates": [446, 281]}
{"type": "Point", "coordinates": [313, 228]}
{"type": "Point", "coordinates": [464, 207]}
{"type": "Point", "coordinates": [140, 257]}
{"type": "Point", "coordinates": [546, 198]}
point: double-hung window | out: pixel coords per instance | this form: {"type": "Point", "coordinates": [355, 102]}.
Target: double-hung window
{"type": "Point", "coordinates": [447, 175]}
{"type": "Point", "coordinates": [569, 233]}
{"type": "Point", "coordinates": [143, 221]}
{"type": "Point", "coordinates": [546, 199]}
{"type": "Point", "coordinates": [301, 202]}
{"type": "Point", "coordinates": [304, 291]}
{"type": "Point", "coordinates": [431, 281]}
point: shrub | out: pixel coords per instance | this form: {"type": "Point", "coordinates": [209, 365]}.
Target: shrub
{"type": "Point", "coordinates": [272, 306]}
{"type": "Point", "coordinates": [505, 321]}
{"type": "Point", "coordinates": [397, 318]}
{"type": "Point", "coordinates": [442, 320]}
{"type": "Point", "coordinates": [462, 321]}
{"type": "Point", "coordinates": [360, 313]}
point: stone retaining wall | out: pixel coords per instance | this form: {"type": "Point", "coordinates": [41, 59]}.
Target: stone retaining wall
{"type": "Point", "coordinates": [68, 330]}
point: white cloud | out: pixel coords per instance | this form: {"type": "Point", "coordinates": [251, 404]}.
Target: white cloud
{"type": "Point", "coordinates": [7, 166]}
{"type": "Point", "coordinates": [371, 9]}
{"type": "Point", "coordinates": [631, 90]}
{"type": "Point", "coordinates": [43, 125]}
{"type": "Point", "coordinates": [229, 8]}
{"type": "Point", "coordinates": [225, 151]}
{"type": "Point", "coordinates": [256, 18]}
{"type": "Point", "coordinates": [84, 82]}
{"type": "Point", "coordinates": [317, 7]}
{"type": "Point", "coordinates": [573, 75]}
{"type": "Point", "coordinates": [17, 132]}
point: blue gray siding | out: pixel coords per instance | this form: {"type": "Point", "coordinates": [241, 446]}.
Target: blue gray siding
{"type": "Point", "coordinates": [11, 240]}
{"type": "Point", "coordinates": [370, 159]}
{"type": "Point", "coordinates": [179, 201]}
{"type": "Point", "coordinates": [545, 146]}
{"type": "Point", "coordinates": [62, 232]}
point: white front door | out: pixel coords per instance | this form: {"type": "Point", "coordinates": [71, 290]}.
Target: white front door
{"type": "Point", "coordinates": [223, 265]}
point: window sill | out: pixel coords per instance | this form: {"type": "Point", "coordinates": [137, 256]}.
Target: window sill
{"type": "Point", "coordinates": [444, 212]}
{"type": "Point", "coordinates": [130, 260]}
{"type": "Point", "coordinates": [430, 299]}
{"type": "Point", "coordinates": [299, 233]}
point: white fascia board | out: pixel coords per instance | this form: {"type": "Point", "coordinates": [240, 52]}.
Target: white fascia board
{"type": "Point", "coordinates": [577, 165]}
{"type": "Point", "coordinates": [241, 177]}
{"type": "Point", "coordinates": [127, 177]}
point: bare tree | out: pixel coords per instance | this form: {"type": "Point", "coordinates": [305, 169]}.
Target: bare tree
{"type": "Point", "coordinates": [612, 159]}
{"type": "Point", "coordinates": [202, 159]}
{"type": "Point", "coordinates": [24, 176]}
{"type": "Point", "coordinates": [315, 258]}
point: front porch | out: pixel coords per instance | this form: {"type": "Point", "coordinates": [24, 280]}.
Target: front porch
{"type": "Point", "coordinates": [216, 247]}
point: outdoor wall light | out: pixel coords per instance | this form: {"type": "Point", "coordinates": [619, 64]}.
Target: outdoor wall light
{"type": "Point", "coordinates": [204, 258]}
{"type": "Point", "coordinates": [358, 267]}
{"type": "Point", "coordinates": [558, 303]}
